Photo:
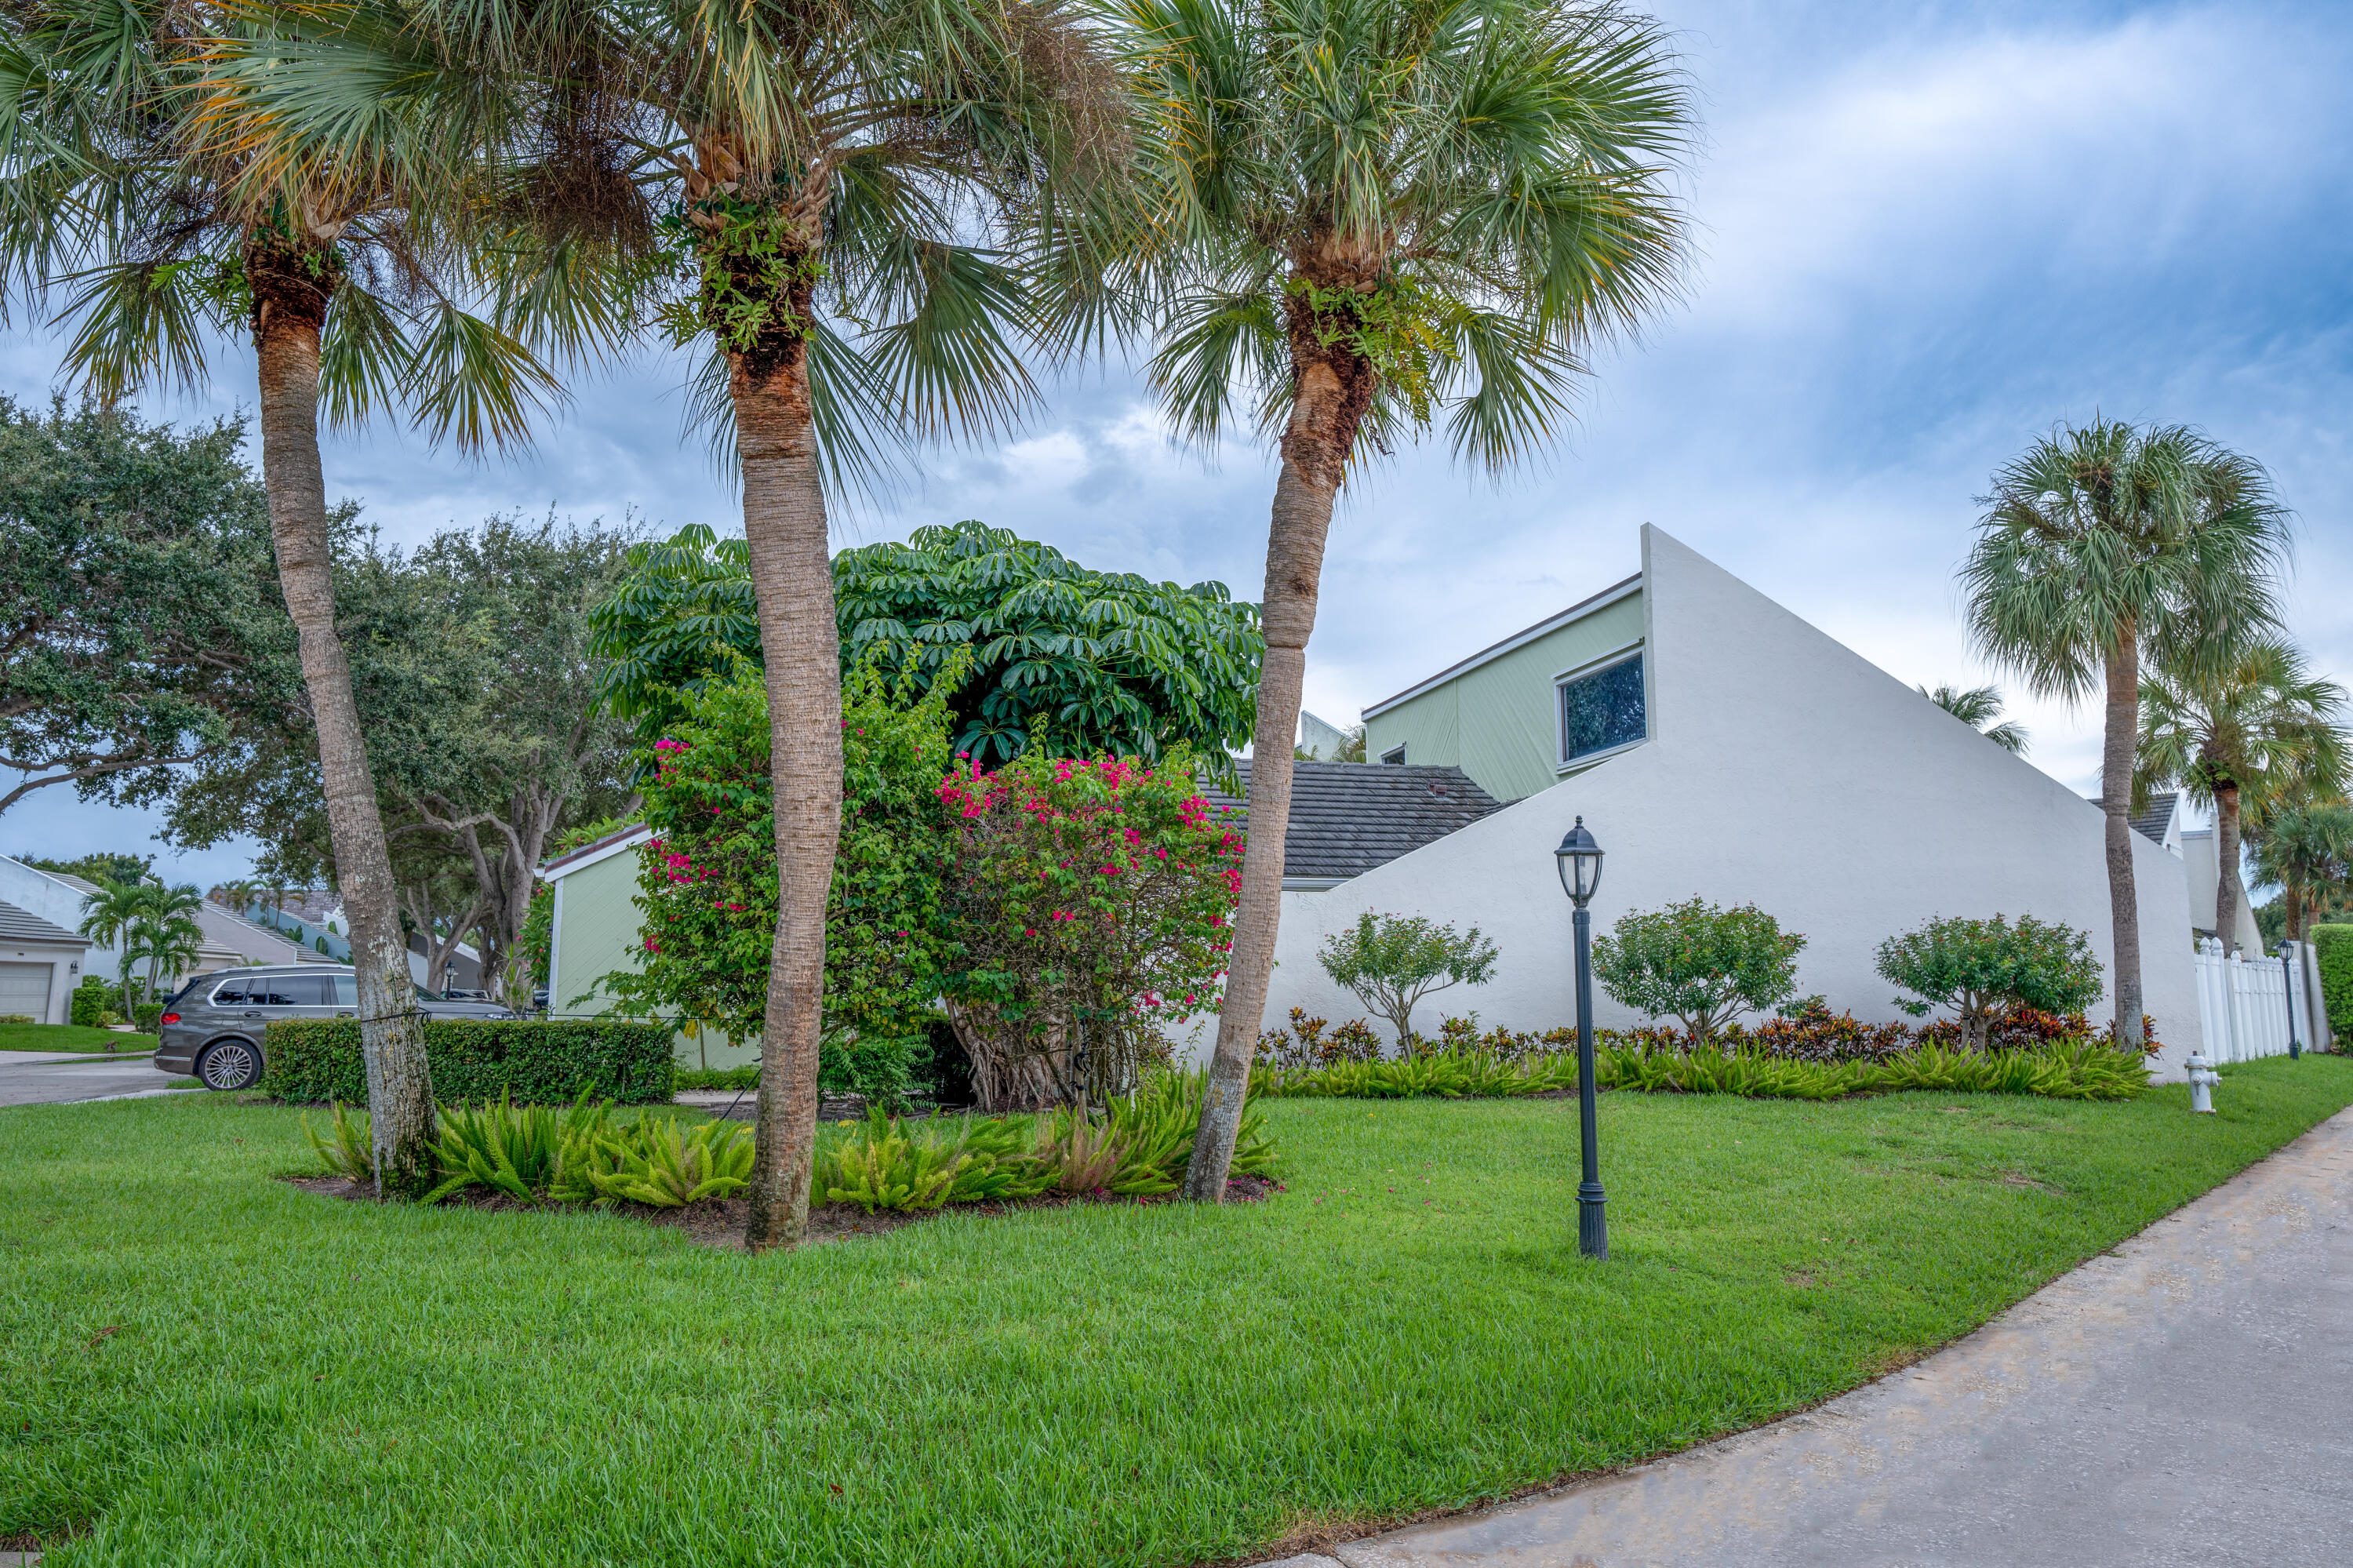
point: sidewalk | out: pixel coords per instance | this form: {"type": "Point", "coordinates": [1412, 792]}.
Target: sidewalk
{"type": "Point", "coordinates": [2186, 1399]}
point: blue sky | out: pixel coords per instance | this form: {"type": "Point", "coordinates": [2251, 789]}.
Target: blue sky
{"type": "Point", "coordinates": [1924, 235]}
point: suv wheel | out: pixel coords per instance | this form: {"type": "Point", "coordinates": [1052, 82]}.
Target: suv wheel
{"type": "Point", "coordinates": [230, 1065]}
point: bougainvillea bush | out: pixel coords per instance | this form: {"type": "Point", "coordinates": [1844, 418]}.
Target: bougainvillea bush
{"type": "Point", "coordinates": [707, 881]}
{"type": "Point", "coordinates": [1092, 902]}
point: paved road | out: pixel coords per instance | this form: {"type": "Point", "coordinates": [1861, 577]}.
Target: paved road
{"type": "Point", "coordinates": [2186, 1399]}
{"type": "Point", "coordinates": [50, 1079]}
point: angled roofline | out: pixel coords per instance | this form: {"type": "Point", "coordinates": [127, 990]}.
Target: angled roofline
{"type": "Point", "coordinates": [1607, 597]}
{"type": "Point", "coordinates": [588, 854]}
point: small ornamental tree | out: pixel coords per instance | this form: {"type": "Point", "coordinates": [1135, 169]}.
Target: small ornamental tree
{"type": "Point", "coordinates": [708, 877]}
{"type": "Point", "coordinates": [1091, 901]}
{"type": "Point", "coordinates": [1982, 968]}
{"type": "Point", "coordinates": [1392, 962]}
{"type": "Point", "coordinates": [1699, 964]}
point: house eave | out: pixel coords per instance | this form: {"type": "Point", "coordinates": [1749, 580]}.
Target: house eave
{"type": "Point", "coordinates": [1550, 624]}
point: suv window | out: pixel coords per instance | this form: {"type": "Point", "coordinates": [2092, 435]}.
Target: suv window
{"type": "Point", "coordinates": [346, 989]}
{"type": "Point", "coordinates": [287, 990]}
{"type": "Point", "coordinates": [230, 993]}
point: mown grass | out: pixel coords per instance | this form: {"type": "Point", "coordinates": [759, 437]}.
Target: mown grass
{"type": "Point", "coordinates": [200, 1365]}
{"type": "Point", "coordinates": [70, 1037]}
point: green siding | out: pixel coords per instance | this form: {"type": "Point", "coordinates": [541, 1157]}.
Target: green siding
{"type": "Point", "coordinates": [1495, 722]}
{"type": "Point", "coordinates": [599, 935]}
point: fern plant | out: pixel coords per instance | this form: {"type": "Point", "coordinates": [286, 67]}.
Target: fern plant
{"type": "Point", "coordinates": [649, 1161]}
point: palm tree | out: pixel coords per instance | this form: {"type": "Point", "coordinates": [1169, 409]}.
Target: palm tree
{"type": "Point", "coordinates": [1372, 213]}
{"type": "Point", "coordinates": [107, 916]}
{"type": "Point", "coordinates": [165, 932]}
{"type": "Point", "coordinates": [2257, 728]}
{"type": "Point", "coordinates": [139, 165]}
{"type": "Point", "coordinates": [865, 216]}
{"type": "Point", "coordinates": [240, 895]}
{"type": "Point", "coordinates": [1979, 707]}
{"type": "Point", "coordinates": [2100, 547]}
{"type": "Point", "coordinates": [2306, 850]}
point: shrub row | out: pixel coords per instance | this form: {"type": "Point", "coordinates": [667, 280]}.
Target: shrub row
{"type": "Point", "coordinates": [2333, 951]}
{"type": "Point", "coordinates": [532, 1061]}
{"type": "Point", "coordinates": [2085, 1070]}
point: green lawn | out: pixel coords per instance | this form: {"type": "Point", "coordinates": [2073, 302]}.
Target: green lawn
{"type": "Point", "coordinates": [199, 1364]}
{"type": "Point", "coordinates": [70, 1037]}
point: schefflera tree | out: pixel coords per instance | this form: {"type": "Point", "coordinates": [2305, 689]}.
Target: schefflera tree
{"type": "Point", "coordinates": [1371, 216]}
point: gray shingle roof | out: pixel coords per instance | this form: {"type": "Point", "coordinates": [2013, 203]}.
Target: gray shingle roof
{"type": "Point", "coordinates": [2151, 824]}
{"type": "Point", "coordinates": [1349, 816]}
{"type": "Point", "coordinates": [16, 925]}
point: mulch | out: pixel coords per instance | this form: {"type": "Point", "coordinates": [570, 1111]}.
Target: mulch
{"type": "Point", "coordinates": [719, 1221]}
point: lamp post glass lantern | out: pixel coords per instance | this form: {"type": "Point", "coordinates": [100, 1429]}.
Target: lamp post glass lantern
{"type": "Point", "coordinates": [1579, 861]}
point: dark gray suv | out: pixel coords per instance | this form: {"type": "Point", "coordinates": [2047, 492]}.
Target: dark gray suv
{"type": "Point", "coordinates": [215, 1026]}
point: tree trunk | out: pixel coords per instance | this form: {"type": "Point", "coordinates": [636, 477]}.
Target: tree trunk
{"type": "Point", "coordinates": [785, 526]}
{"type": "Point", "coordinates": [2230, 893]}
{"type": "Point", "coordinates": [1333, 386]}
{"type": "Point", "coordinates": [2115, 799]}
{"type": "Point", "coordinates": [2292, 906]}
{"type": "Point", "coordinates": [289, 308]}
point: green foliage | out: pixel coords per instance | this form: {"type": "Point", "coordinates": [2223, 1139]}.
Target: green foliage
{"type": "Point", "coordinates": [89, 1001]}
{"type": "Point", "coordinates": [1696, 962]}
{"type": "Point", "coordinates": [885, 1070]}
{"type": "Point", "coordinates": [650, 1162]}
{"type": "Point", "coordinates": [2081, 1069]}
{"type": "Point", "coordinates": [2250, 719]}
{"type": "Point", "coordinates": [881, 1166]}
{"type": "Point", "coordinates": [1979, 707]}
{"type": "Point", "coordinates": [538, 1062]}
{"type": "Point", "coordinates": [2106, 531]}
{"type": "Point", "coordinates": [1392, 962]}
{"type": "Point", "coordinates": [348, 1149]}
{"type": "Point", "coordinates": [2333, 952]}
{"type": "Point", "coordinates": [707, 879]}
{"type": "Point", "coordinates": [515, 1150]}
{"type": "Point", "coordinates": [147, 1016]}
{"type": "Point", "coordinates": [1090, 899]}
{"type": "Point", "coordinates": [101, 868]}
{"type": "Point", "coordinates": [1027, 643]}
{"type": "Point", "coordinates": [748, 258]}
{"type": "Point", "coordinates": [743, 1077]}
{"type": "Point", "coordinates": [138, 610]}
{"type": "Point", "coordinates": [1977, 967]}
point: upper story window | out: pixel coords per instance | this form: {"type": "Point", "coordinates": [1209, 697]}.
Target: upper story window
{"type": "Point", "coordinates": [1394, 755]}
{"type": "Point", "coordinates": [1603, 709]}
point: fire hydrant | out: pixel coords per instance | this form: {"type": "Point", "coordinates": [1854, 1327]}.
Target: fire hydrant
{"type": "Point", "coordinates": [2202, 1079]}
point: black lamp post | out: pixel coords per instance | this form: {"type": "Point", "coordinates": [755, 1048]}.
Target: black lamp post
{"type": "Point", "coordinates": [2287, 979]}
{"type": "Point", "coordinates": [1580, 862]}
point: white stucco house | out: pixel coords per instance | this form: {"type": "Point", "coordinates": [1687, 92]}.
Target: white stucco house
{"type": "Point", "coordinates": [1716, 745]}
{"type": "Point", "coordinates": [40, 964]}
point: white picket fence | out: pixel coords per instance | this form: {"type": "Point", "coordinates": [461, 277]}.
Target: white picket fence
{"type": "Point", "coordinates": [2242, 1005]}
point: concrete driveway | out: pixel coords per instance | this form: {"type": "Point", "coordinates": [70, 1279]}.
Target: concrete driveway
{"type": "Point", "coordinates": [2186, 1399]}
{"type": "Point", "coordinates": [50, 1077]}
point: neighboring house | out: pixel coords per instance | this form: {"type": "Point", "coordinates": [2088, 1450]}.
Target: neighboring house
{"type": "Point", "coordinates": [594, 932]}
{"type": "Point", "coordinates": [56, 898]}
{"type": "Point", "coordinates": [1321, 740]}
{"type": "Point", "coordinates": [40, 964]}
{"type": "Point", "coordinates": [1718, 746]}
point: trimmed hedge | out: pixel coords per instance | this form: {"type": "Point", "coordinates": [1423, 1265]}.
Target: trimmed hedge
{"type": "Point", "coordinates": [2332, 949]}
{"type": "Point", "coordinates": [534, 1061]}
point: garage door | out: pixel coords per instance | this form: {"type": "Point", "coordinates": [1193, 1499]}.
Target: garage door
{"type": "Point", "coordinates": [24, 988]}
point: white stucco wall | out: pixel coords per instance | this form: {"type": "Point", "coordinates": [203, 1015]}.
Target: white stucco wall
{"type": "Point", "coordinates": [1784, 770]}
{"type": "Point", "coordinates": [2201, 867]}
{"type": "Point", "coordinates": [59, 903]}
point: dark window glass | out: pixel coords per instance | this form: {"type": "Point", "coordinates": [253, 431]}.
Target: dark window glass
{"type": "Point", "coordinates": [346, 989]}
{"type": "Point", "coordinates": [1602, 710]}
{"type": "Point", "coordinates": [288, 990]}
{"type": "Point", "coordinates": [1394, 756]}
{"type": "Point", "coordinates": [230, 993]}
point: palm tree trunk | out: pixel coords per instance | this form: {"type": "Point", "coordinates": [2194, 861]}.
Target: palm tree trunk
{"type": "Point", "coordinates": [785, 526]}
{"type": "Point", "coordinates": [1335, 386]}
{"type": "Point", "coordinates": [2230, 894]}
{"type": "Point", "coordinates": [289, 309]}
{"type": "Point", "coordinates": [2115, 799]}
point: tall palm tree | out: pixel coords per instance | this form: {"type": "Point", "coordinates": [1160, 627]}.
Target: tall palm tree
{"type": "Point", "coordinates": [1371, 215]}
{"type": "Point", "coordinates": [1979, 707]}
{"type": "Point", "coordinates": [107, 916]}
{"type": "Point", "coordinates": [2306, 851]}
{"type": "Point", "coordinates": [2241, 734]}
{"type": "Point", "coordinates": [2105, 544]}
{"type": "Point", "coordinates": [867, 215]}
{"type": "Point", "coordinates": [136, 167]}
